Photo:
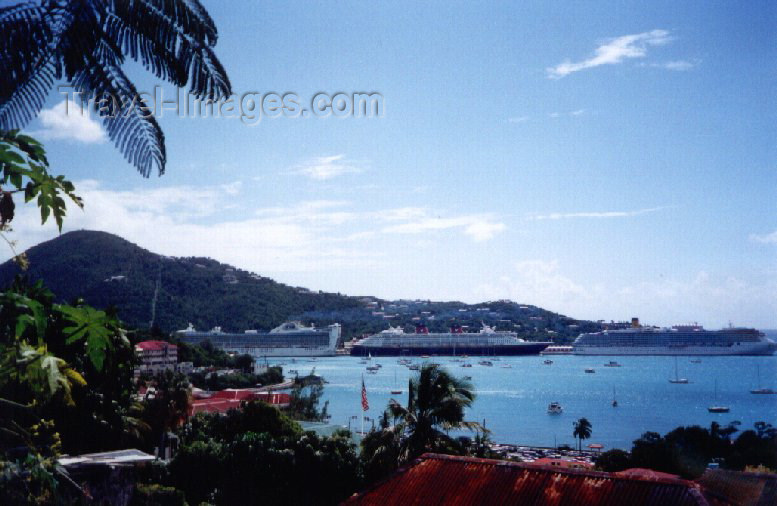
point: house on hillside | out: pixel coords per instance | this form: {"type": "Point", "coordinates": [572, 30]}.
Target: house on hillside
{"type": "Point", "coordinates": [155, 357]}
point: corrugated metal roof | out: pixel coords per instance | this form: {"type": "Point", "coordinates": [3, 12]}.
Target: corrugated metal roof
{"type": "Point", "coordinates": [723, 487]}
{"type": "Point", "coordinates": [446, 480]}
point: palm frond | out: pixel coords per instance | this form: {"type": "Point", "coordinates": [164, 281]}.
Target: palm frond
{"type": "Point", "coordinates": [173, 40]}
{"type": "Point", "coordinates": [25, 57]}
{"type": "Point", "coordinates": [129, 124]}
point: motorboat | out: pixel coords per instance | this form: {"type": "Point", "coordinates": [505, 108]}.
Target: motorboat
{"type": "Point", "coordinates": [554, 408]}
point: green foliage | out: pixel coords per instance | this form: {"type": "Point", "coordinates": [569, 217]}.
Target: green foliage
{"type": "Point", "coordinates": [686, 451]}
{"type": "Point", "coordinates": [168, 408]}
{"type": "Point", "coordinates": [187, 293]}
{"type": "Point", "coordinates": [30, 481]}
{"type": "Point", "coordinates": [614, 460]}
{"type": "Point", "coordinates": [24, 167]}
{"type": "Point", "coordinates": [257, 417]}
{"type": "Point", "coordinates": [157, 495]}
{"type": "Point", "coordinates": [67, 363]}
{"type": "Point", "coordinates": [436, 404]}
{"type": "Point", "coordinates": [193, 290]}
{"type": "Point", "coordinates": [303, 404]}
{"type": "Point", "coordinates": [258, 455]}
{"type": "Point", "coordinates": [259, 468]}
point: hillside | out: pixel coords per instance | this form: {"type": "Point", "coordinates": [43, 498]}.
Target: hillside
{"type": "Point", "coordinates": [106, 270]}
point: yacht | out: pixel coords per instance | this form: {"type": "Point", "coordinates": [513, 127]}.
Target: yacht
{"type": "Point", "coordinates": [677, 379]}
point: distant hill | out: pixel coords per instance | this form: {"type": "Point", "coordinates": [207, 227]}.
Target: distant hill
{"type": "Point", "coordinates": [106, 270]}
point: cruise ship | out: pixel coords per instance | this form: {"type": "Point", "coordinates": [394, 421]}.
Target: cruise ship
{"type": "Point", "coordinates": [677, 340]}
{"type": "Point", "coordinates": [290, 339]}
{"type": "Point", "coordinates": [395, 342]}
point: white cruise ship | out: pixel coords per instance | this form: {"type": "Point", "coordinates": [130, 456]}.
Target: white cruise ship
{"type": "Point", "coordinates": [290, 339]}
{"type": "Point", "coordinates": [677, 340]}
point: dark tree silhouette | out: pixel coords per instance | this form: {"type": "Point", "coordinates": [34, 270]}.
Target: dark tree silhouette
{"type": "Point", "coordinates": [85, 43]}
{"type": "Point", "coordinates": [582, 431]}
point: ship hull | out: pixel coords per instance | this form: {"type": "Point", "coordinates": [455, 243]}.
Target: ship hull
{"type": "Point", "coordinates": [497, 350]}
{"type": "Point", "coordinates": [758, 349]}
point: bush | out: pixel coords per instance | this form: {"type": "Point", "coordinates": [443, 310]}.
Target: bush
{"type": "Point", "coordinates": [157, 495]}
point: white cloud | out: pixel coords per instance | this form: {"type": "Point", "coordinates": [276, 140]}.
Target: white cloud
{"type": "Point", "coordinates": [538, 282]}
{"type": "Point", "coordinates": [576, 112]}
{"type": "Point", "coordinates": [67, 120]}
{"type": "Point", "coordinates": [518, 119]}
{"type": "Point", "coordinates": [597, 214]}
{"type": "Point", "coordinates": [317, 236]}
{"type": "Point", "coordinates": [710, 299]}
{"type": "Point", "coordinates": [765, 238]}
{"type": "Point", "coordinates": [478, 227]}
{"type": "Point", "coordinates": [679, 65]}
{"type": "Point", "coordinates": [614, 51]}
{"type": "Point", "coordinates": [326, 167]}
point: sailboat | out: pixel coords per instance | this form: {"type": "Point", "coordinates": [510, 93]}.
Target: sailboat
{"type": "Point", "coordinates": [717, 409]}
{"type": "Point", "coordinates": [614, 401]}
{"type": "Point", "coordinates": [677, 378]}
{"type": "Point", "coordinates": [761, 390]}
{"type": "Point", "coordinates": [395, 392]}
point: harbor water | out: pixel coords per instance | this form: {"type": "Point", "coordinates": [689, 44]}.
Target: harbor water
{"type": "Point", "coordinates": [514, 393]}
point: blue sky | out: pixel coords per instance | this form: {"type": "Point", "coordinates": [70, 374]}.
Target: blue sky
{"type": "Point", "coordinates": [600, 160]}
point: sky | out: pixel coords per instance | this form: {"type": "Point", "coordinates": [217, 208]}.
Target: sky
{"type": "Point", "coordinates": [601, 160]}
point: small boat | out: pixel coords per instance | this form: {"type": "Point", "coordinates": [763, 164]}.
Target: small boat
{"type": "Point", "coordinates": [506, 366]}
{"type": "Point", "coordinates": [414, 367]}
{"type": "Point", "coordinates": [466, 365]}
{"type": "Point", "coordinates": [554, 408]}
{"type": "Point", "coordinates": [716, 408]}
{"type": "Point", "coordinates": [696, 361]}
{"type": "Point", "coordinates": [372, 371]}
{"type": "Point", "coordinates": [424, 356]}
{"type": "Point", "coordinates": [761, 390]}
{"type": "Point", "coordinates": [590, 370]}
{"type": "Point", "coordinates": [547, 362]}
{"type": "Point", "coordinates": [486, 363]}
{"type": "Point", "coordinates": [396, 392]}
{"type": "Point", "coordinates": [372, 368]}
{"type": "Point", "coordinates": [468, 378]}
{"type": "Point", "coordinates": [677, 379]}
{"type": "Point", "coordinates": [612, 363]}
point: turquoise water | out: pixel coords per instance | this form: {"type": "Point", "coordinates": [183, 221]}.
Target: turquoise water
{"type": "Point", "coordinates": [513, 401]}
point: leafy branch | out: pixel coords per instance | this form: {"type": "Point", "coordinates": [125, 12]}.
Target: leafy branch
{"type": "Point", "coordinates": [23, 166]}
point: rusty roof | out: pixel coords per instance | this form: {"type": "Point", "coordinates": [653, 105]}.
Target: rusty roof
{"type": "Point", "coordinates": [448, 480]}
{"type": "Point", "coordinates": [735, 488]}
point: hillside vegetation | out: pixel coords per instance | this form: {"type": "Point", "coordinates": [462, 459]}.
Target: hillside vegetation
{"type": "Point", "coordinates": [106, 270]}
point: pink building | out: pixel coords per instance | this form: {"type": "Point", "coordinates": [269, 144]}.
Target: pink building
{"type": "Point", "coordinates": [155, 357]}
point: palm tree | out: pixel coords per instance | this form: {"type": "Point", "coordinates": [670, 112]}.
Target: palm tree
{"type": "Point", "coordinates": [435, 404]}
{"type": "Point", "coordinates": [582, 431]}
{"type": "Point", "coordinates": [85, 42]}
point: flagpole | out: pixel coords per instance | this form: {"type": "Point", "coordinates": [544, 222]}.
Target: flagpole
{"type": "Point", "coordinates": [362, 406]}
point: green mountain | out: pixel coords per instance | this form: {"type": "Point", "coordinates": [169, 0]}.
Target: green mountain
{"type": "Point", "coordinates": [106, 270]}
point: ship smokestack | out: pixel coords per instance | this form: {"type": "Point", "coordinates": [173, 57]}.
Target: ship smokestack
{"type": "Point", "coordinates": [635, 323]}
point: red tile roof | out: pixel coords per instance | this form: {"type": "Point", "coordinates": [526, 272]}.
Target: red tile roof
{"type": "Point", "coordinates": [447, 480]}
{"type": "Point", "coordinates": [154, 345]}
{"type": "Point", "coordinates": [223, 401]}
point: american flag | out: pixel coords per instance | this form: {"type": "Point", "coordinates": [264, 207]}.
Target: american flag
{"type": "Point", "coordinates": [365, 404]}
